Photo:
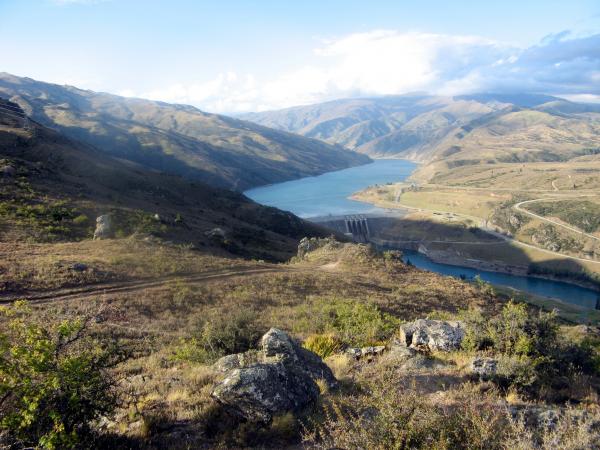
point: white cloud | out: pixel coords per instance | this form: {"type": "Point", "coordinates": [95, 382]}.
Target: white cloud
{"type": "Point", "coordinates": [582, 98]}
{"type": "Point", "coordinates": [385, 62]}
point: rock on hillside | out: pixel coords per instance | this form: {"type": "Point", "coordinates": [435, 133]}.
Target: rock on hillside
{"type": "Point", "coordinates": [432, 335]}
{"type": "Point", "coordinates": [280, 377]}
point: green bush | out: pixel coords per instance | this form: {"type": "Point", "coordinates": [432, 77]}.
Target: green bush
{"type": "Point", "coordinates": [533, 358]}
{"type": "Point", "coordinates": [49, 220]}
{"type": "Point", "coordinates": [355, 323]}
{"type": "Point", "coordinates": [219, 336]}
{"type": "Point", "coordinates": [81, 219]}
{"type": "Point", "coordinates": [53, 380]}
{"type": "Point", "coordinates": [323, 345]}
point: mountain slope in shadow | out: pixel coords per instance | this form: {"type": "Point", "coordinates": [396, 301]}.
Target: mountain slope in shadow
{"type": "Point", "coordinates": [177, 139]}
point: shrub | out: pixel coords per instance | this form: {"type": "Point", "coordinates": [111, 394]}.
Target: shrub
{"type": "Point", "coordinates": [81, 219]}
{"type": "Point", "coordinates": [323, 345]}
{"type": "Point", "coordinates": [53, 380]}
{"type": "Point", "coordinates": [219, 336]}
{"type": "Point", "coordinates": [533, 359]}
{"type": "Point", "coordinates": [388, 417]}
{"type": "Point", "coordinates": [355, 323]}
{"type": "Point", "coordinates": [484, 287]}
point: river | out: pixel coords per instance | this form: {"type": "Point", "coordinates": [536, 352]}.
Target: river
{"type": "Point", "coordinates": [328, 194]}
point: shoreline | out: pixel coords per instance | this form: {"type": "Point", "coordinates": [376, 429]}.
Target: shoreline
{"type": "Point", "coordinates": [452, 259]}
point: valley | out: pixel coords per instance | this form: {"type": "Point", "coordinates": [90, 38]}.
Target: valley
{"type": "Point", "coordinates": [522, 167]}
{"type": "Point", "coordinates": [157, 281]}
{"type": "Point", "coordinates": [175, 139]}
{"type": "Point", "coordinates": [312, 225]}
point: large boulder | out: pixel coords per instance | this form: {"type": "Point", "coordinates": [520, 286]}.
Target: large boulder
{"type": "Point", "coordinates": [432, 335]}
{"type": "Point", "coordinates": [103, 227]}
{"type": "Point", "coordinates": [280, 377]}
{"type": "Point", "coordinates": [259, 392]}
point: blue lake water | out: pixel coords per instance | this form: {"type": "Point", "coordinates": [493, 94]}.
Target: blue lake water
{"type": "Point", "coordinates": [566, 292]}
{"type": "Point", "coordinates": [328, 194]}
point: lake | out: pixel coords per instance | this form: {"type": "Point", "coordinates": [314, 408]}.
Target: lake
{"type": "Point", "coordinates": [328, 194]}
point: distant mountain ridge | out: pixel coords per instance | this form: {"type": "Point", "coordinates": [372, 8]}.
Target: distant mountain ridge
{"type": "Point", "coordinates": [449, 131]}
{"type": "Point", "coordinates": [179, 139]}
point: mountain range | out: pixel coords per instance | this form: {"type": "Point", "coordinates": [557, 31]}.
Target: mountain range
{"type": "Point", "coordinates": [449, 131]}
{"type": "Point", "coordinates": [176, 139]}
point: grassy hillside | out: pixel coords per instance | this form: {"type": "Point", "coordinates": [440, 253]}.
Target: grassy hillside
{"type": "Point", "coordinates": [178, 139]}
{"type": "Point", "coordinates": [338, 295]}
{"type": "Point", "coordinates": [449, 131]}
{"type": "Point", "coordinates": [386, 126]}
{"type": "Point", "coordinates": [52, 189]}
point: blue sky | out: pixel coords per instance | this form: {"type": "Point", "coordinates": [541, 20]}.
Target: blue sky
{"type": "Point", "coordinates": [231, 56]}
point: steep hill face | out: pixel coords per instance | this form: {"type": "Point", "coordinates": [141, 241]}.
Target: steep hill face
{"type": "Point", "coordinates": [178, 139]}
{"type": "Point", "coordinates": [52, 188]}
{"type": "Point", "coordinates": [556, 131]}
{"type": "Point", "coordinates": [450, 131]}
{"type": "Point", "coordinates": [387, 126]}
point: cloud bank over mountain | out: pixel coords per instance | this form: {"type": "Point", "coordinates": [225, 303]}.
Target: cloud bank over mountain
{"type": "Point", "coordinates": [387, 62]}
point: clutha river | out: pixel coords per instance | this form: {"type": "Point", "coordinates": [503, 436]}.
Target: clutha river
{"type": "Point", "coordinates": [328, 194]}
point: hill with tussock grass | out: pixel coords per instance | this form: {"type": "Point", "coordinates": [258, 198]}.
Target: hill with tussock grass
{"type": "Point", "coordinates": [52, 189]}
{"type": "Point", "coordinates": [449, 132]}
{"type": "Point", "coordinates": [335, 298]}
{"type": "Point", "coordinates": [176, 139]}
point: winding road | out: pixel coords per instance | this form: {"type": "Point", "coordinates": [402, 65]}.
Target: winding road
{"type": "Point", "coordinates": [508, 238]}
{"type": "Point", "coordinates": [517, 206]}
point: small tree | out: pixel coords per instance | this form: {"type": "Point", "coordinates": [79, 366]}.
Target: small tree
{"type": "Point", "coordinates": [53, 379]}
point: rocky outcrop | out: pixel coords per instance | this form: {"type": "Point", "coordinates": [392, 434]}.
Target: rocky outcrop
{"type": "Point", "coordinates": [509, 220]}
{"type": "Point", "coordinates": [432, 335]}
{"type": "Point", "coordinates": [548, 237]}
{"type": "Point", "coordinates": [365, 352]}
{"type": "Point", "coordinates": [484, 368]}
{"type": "Point", "coordinates": [280, 377]}
{"type": "Point", "coordinates": [216, 233]}
{"type": "Point", "coordinates": [103, 227]}
{"type": "Point", "coordinates": [307, 245]}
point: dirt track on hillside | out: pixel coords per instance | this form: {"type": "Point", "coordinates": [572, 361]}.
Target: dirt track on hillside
{"type": "Point", "coordinates": [95, 290]}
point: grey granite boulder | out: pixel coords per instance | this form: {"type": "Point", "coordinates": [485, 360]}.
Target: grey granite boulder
{"type": "Point", "coordinates": [484, 368]}
{"type": "Point", "coordinates": [259, 392]}
{"type": "Point", "coordinates": [365, 352]}
{"type": "Point", "coordinates": [280, 377]}
{"type": "Point", "coordinates": [103, 227]}
{"type": "Point", "coordinates": [432, 335]}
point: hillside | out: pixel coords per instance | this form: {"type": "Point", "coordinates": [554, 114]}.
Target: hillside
{"type": "Point", "coordinates": [178, 139]}
{"type": "Point", "coordinates": [176, 346]}
{"type": "Point", "coordinates": [53, 188]}
{"type": "Point", "coordinates": [551, 132]}
{"type": "Point", "coordinates": [386, 126]}
{"type": "Point", "coordinates": [454, 130]}
{"type": "Point", "coordinates": [161, 336]}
